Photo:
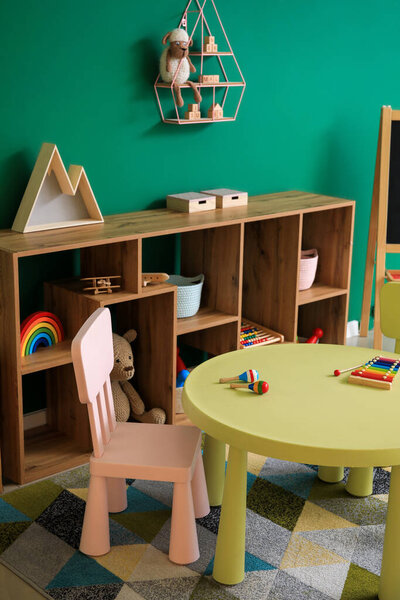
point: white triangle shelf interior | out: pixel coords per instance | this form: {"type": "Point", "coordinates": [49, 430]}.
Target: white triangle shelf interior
{"type": "Point", "coordinates": [54, 198]}
{"type": "Point", "coordinates": [207, 48]}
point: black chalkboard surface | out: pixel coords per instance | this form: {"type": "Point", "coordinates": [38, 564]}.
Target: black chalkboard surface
{"type": "Point", "coordinates": [393, 215]}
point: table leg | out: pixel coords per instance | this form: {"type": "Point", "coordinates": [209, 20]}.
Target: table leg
{"type": "Point", "coordinates": [389, 585]}
{"type": "Point", "coordinates": [214, 468]}
{"type": "Point", "coordinates": [229, 554]}
{"type": "Point", "coordinates": [360, 481]}
{"type": "Point", "coordinates": [331, 474]}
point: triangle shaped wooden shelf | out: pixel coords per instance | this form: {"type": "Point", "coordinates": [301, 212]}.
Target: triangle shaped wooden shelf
{"type": "Point", "coordinates": [54, 198]}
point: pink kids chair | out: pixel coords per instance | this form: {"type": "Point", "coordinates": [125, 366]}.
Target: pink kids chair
{"type": "Point", "coordinates": [134, 450]}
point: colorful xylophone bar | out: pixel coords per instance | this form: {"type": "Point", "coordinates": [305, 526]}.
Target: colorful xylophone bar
{"type": "Point", "coordinates": [378, 372]}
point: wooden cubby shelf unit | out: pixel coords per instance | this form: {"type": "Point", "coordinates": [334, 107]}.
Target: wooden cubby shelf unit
{"type": "Point", "coordinates": [250, 258]}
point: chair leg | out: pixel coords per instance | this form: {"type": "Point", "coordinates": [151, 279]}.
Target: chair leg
{"type": "Point", "coordinates": [116, 493]}
{"type": "Point", "coordinates": [199, 490]}
{"type": "Point", "coordinates": [183, 545]}
{"type": "Point", "coordinates": [95, 538]}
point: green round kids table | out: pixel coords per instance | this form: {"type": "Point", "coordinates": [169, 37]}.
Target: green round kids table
{"type": "Point", "coordinates": [307, 416]}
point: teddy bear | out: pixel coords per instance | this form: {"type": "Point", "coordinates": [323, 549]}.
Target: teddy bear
{"type": "Point", "coordinates": [175, 64]}
{"type": "Point", "coordinates": [127, 401]}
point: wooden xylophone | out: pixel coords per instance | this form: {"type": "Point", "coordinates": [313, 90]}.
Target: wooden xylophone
{"type": "Point", "coordinates": [378, 372]}
{"type": "Point", "coordinates": [252, 334]}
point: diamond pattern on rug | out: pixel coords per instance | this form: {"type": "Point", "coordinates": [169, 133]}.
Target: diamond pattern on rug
{"type": "Point", "coordinates": [360, 585]}
{"type": "Point", "coordinates": [274, 503]}
{"type": "Point", "coordinates": [64, 518]}
{"type": "Point", "coordinates": [305, 539]}
{"type": "Point", "coordinates": [82, 570]}
{"type": "Point", "coordinates": [27, 556]}
{"type": "Point", "coordinates": [315, 517]}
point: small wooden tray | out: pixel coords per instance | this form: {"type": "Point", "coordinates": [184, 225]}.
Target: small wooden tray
{"type": "Point", "coordinates": [264, 336]}
{"type": "Point", "coordinates": [392, 274]}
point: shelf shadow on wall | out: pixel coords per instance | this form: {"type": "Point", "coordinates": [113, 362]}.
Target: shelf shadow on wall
{"type": "Point", "coordinates": [15, 171]}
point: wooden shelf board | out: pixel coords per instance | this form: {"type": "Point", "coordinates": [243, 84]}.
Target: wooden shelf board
{"type": "Point", "coordinates": [204, 120]}
{"type": "Point", "coordinates": [182, 419]}
{"type": "Point", "coordinates": [198, 53]}
{"type": "Point", "coordinates": [150, 223]}
{"type": "Point", "coordinates": [198, 84]}
{"type": "Point", "coordinates": [319, 291]}
{"type": "Point", "coordinates": [48, 452]}
{"type": "Point", "coordinates": [204, 319]}
{"type": "Point", "coordinates": [46, 358]}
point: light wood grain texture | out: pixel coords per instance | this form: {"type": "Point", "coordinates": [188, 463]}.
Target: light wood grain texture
{"type": "Point", "coordinates": [12, 439]}
{"type": "Point", "coordinates": [329, 314]}
{"type": "Point", "coordinates": [270, 272]}
{"type": "Point", "coordinates": [46, 358]}
{"type": "Point", "coordinates": [215, 253]}
{"type": "Point", "coordinates": [216, 340]}
{"type": "Point", "coordinates": [49, 161]}
{"type": "Point", "coordinates": [150, 223]}
{"type": "Point", "coordinates": [206, 317]}
{"type": "Point", "coordinates": [154, 349]}
{"type": "Point", "coordinates": [118, 258]}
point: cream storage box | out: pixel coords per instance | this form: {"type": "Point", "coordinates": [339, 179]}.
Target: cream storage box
{"type": "Point", "coordinates": [227, 198]}
{"type": "Point", "coordinates": [191, 202]}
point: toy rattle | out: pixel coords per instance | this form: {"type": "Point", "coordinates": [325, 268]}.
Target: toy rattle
{"type": "Point", "coordinates": [248, 376]}
{"type": "Point", "coordinates": [258, 387]}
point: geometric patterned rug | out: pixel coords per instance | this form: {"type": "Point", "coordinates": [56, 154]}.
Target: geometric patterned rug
{"type": "Point", "coordinates": [304, 539]}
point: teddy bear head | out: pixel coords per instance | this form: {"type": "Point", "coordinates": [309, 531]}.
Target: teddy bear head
{"type": "Point", "coordinates": [123, 356]}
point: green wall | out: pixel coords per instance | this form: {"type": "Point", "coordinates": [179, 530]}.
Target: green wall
{"type": "Point", "coordinates": [80, 74]}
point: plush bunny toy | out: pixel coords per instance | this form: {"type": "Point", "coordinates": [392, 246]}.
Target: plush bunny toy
{"type": "Point", "coordinates": [126, 399]}
{"type": "Point", "coordinates": [175, 61]}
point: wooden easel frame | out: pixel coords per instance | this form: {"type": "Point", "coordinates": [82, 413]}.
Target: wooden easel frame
{"type": "Point", "coordinates": [377, 237]}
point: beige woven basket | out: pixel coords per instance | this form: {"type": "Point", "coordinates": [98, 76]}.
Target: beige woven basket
{"type": "Point", "coordinates": [308, 268]}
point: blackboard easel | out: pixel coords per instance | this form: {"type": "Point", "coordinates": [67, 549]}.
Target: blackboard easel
{"type": "Point", "coordinates": [384, 226]}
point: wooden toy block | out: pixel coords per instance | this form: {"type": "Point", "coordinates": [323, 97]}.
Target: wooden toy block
{"type": "Point", "coordinates": [227, 198]}
{"type": "Point", "coordinates": [215, 112]}
{"type": "Point", "coordinates": [191, 202]}
{"type": "Point", "coordinates": [214, 48]}
{"type": "Point", "coordinates": [193, 107]}
{"type": "Point", "coordinates": [192, 115]}
{"type": "Point", "coordinates": [209, 39]}
{"type": "Point", "coordinates": [208, 48]}
{"type": "Point", "coordinates": [55, 198]}
{"type": "Point", "coordinates": [209, 78]}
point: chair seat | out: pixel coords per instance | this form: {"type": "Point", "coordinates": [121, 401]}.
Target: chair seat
{"type": "Point", "coordinates": [150, 452]}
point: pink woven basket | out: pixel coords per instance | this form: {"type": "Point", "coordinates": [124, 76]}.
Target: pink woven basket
{"type": "Point", "coordinates": [308, 268]}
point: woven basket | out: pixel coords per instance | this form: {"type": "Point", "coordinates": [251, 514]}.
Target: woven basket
{"type": "Point", "coordinates": [308, 268]}
{"type": "Point", "coordinates": [189, 294]}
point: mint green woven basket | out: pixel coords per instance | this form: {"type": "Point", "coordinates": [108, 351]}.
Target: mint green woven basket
{"type": "Point", "coordinates": [189, 294]}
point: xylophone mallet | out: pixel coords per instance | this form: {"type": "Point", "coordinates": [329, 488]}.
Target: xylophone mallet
{"type": "Point", "coordinates": [338, 372]}
{"type": "Point", "coordinates": [258, 387]}
{"type": "Point", "coordinates": [248, 376]}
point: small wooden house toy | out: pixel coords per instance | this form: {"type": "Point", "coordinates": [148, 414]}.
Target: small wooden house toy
{"type": "Point", "coordinates": [191, 202]}
{"type": "Point", "coordinates": [101, 285]}
{"type": "Point", "coordinates": [208, 78]}
{"type": "Point", "coordinates": [215, 112]}
{"type": "Point", "coordinates": [227, 198]}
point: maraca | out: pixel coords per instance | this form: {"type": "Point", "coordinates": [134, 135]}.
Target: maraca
{"type": "Point", "coordinates": [258, 387]}
{"type": "Point", "coordinates": [248, 376]}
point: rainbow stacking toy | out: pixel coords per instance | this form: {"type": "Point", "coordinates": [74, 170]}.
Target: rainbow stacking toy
{"type": "Point", "coordinates": [378, 372]}
{"type": "Point", "coordinates": [40, 329]}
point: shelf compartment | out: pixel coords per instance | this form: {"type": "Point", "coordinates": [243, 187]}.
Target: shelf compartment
{"type": "Point", "coordinates": [214, 340]}
{"type": "Point", "coordinates": [206, 85]}
{"type": "Point", "coordinates": [204, 319]}
{"type": "Point", "coordinates": [46, 358]}
{"type": "Point", "coordinates": [48, 451]}
{"type": "Point", "coordinates": [319, 291]}
{"type": "Point", "coordinates": [329, 314]}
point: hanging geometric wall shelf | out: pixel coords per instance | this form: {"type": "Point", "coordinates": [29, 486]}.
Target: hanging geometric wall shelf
{"type": "Point", "coordinates": [54, 198]}
{"type": "Point", "coordinates": [218, 76]}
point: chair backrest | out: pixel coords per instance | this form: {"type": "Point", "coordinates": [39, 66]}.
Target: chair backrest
{"type": "Point", "coordinates": [390, 311]}
{"type": "Point", "coordinates": [93, 360]}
